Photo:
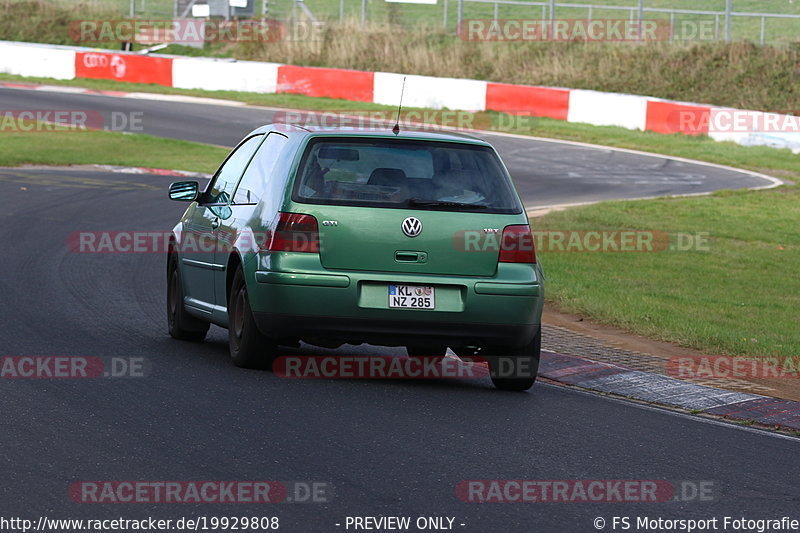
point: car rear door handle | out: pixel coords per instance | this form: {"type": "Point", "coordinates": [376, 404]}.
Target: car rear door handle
{"type": "Point", "coordinates": [215, 223]}
{"type": "Point", "coordinates": [410, 257]}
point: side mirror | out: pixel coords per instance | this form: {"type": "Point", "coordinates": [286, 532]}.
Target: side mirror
{"type": "Point", "coordinates": [184, 191]}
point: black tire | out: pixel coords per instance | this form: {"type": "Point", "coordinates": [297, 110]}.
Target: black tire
{"type": "Point", "coordinates": [516, 369]}
{"type": "Point", "coordinates": [249, 348]}
{"type": "Point", "coordinates": [181, 325]}
{"type": "Point", "coordinates": [426, 350]}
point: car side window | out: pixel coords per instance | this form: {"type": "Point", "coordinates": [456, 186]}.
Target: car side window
{"type": "Point", "coordinates": [259, 172]}
{"type": "Point", "coordinates": [228, 175]}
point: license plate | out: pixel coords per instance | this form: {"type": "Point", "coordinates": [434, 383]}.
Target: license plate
{"type": "Point", "coordinates": [411, 297]}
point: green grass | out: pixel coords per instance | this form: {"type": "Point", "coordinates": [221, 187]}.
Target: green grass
{"type": "Point", "coordinates": [107, 148]}
{"type": "Point", "coordinates": [148, 8]}
{"type": "Point", "coordinates": [739, 296]}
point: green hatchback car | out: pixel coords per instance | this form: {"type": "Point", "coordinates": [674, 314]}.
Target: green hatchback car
{"type": "Point", "coordinates": [335, 235]}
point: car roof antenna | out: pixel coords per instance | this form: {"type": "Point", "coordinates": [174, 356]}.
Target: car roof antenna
{"type": "Point", "coordinates": [396, 128]}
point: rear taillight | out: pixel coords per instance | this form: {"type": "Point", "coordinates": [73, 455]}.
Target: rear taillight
{"type": "Point", "coordinates": [517, 245]}
{"type": "Point", "coordinates": [294, 232]}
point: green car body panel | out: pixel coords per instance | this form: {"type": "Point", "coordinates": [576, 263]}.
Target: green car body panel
{"type": "Point", "coordinates": [339, 294]}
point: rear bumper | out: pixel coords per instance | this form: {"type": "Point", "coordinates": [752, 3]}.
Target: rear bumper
{"type": "Point", "coordinates": [311, 302]}
{"type": "Point", "coordinates": [391, 332]}
{"type": "Point", "coordinates": [344, 281]}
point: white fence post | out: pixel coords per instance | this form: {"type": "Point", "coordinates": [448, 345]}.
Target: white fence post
{"type": "Point", "coordinates": [728, 9]}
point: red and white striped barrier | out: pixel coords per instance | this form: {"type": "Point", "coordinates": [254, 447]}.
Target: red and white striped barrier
{"type": "Point", "coordinates": [664, 116]}
{"type": "Point", "coordinates": [430, 92]}
{"type": "Point", "coordinates": [129, 68]}
{"type": "Point", "coordinates": [538, 101]}
{"type": "Point", "coordinates": [37, 60]}
{"type": "Point", "coordinates": [573, 105]}
{"type": "Point", "coordinates": [224, 75]}
{"type": "Point", "coordinates": [326, 82]}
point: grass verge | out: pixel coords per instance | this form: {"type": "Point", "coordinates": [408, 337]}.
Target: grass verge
{"type": "Point", "coordinates": [107, 148]}
{"type": "Point", "coordinates": [737, 294]}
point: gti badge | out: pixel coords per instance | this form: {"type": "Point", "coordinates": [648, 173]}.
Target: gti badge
{"type": "Point", "coordinates": [412, 227]}
{"type": "Point", "coordinates": [330, 222]}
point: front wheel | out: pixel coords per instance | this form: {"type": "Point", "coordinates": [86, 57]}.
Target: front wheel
{"type": "Point", "coordinates": [249, 348]}
{"type": "Point", "coordinates": [515, 369]}
{"type": "Point", "coordinates": [181, 324]}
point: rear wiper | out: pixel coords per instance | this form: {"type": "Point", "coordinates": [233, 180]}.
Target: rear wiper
{"type": "Point", "coordinates": [427, 203]}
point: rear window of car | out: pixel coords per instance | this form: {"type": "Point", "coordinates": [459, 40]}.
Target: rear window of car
{"type": "Point", "coordinates": [405, 174]}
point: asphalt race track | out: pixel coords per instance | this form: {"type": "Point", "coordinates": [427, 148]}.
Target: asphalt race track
{"type": "Point", "coordinates": [382, 447]}
{"type": "Point", "coordinates": [545, 173]}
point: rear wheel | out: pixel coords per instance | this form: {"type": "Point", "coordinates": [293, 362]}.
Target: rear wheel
{"type": "Point", "coordinates": [181, 325]}
{"type": "Point", "coordinates": [249, 348]}
{"type": "Point", "coordinates": [515, 369]}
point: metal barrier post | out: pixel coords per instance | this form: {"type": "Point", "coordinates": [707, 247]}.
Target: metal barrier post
{"type": "Point", "coordinates": [671, 27]}
{"type": "Point", "coordinates": [728, 9]}
{"type": "Point", "coordinates": [641, 19]}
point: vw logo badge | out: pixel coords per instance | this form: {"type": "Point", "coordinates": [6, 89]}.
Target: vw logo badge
{"type": "Point", "coordinates": [412, 226]}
